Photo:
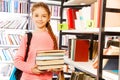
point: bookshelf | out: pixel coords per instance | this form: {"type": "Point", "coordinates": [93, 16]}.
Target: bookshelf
{"type": "Point", "coordinates": [91, 33]}
{"type": "Point", "coordinates": [104, 9]}
{"type": "Point", "coordinates": [101, 32]}
{"type": "Point", "coordinates": [14, 18]}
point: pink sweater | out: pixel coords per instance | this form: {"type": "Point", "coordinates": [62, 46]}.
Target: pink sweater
{"type": "Point", "coordinates": [39, 41]}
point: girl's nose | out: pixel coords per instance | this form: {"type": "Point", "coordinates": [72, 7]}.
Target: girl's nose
{"type": "Point", "coordinates": [40, 18]}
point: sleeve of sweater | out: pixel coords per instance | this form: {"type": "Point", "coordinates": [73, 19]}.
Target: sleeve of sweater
{"type": "Point", "coordinates": [19, 58]}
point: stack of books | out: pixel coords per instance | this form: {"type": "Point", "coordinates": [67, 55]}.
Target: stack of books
{"type": "Point", "coordinates": [50, 59]}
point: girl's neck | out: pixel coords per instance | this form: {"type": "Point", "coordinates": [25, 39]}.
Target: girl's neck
{"type": "Point", "coordinates": [41, 29]}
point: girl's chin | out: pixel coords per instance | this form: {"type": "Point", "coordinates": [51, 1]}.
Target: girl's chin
{"type": "Point", "coordinates": [41, 27]}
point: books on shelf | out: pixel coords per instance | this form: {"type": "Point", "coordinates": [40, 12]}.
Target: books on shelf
{"type": "Point", "coordinates": [112, 50]}
{"type": "Point", "coordinates": [50, 59]}
{"type": "Point", "coordinates": [79, 49]}
{"type": "Point", "coordinates": [81, 76]}
{"type": "Point", "coordinates": [9, 39]}
{"type": "Point", "coordinates": [7, 54]}
{"type": "Point", "coordinates": [14, 6]}
{"type": "Point", "coordinates": [14, 23]}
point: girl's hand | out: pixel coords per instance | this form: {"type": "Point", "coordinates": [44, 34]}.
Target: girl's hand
{"type": "Point", "coordinates": [35, 70]}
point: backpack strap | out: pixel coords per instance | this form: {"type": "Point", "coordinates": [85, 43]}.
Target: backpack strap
{"type": "Point", "coordinates": [29, 36]}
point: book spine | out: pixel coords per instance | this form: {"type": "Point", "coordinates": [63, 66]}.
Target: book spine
{"type": "Point", "coordinates": [71, 17]}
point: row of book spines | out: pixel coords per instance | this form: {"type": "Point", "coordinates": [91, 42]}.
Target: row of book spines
{"type": "Point", "coordinates": [20, 23]}
{"type": "Point", "coordinates": [7, 54]}
{"type": "Point", "coordinates": [10, 39]}
{"type": "Point", "coordinates": [15, 6]}
{"type": "Point", "coordinates": [45, 62]}
{"type": "Point", "coordinates": [55, 10]}
{"type": "Point", "coordinates": [50, 59]}
{"type": "Point", "coordinates": [81, 76]}
{"type": "Point", "coordinates": [78, 19]}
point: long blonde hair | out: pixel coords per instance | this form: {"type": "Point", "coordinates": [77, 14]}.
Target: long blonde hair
{"type": "Point", "coordinates": [50, 31]}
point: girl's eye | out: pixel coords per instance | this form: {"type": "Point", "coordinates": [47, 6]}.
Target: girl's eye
{"type": "Point", "coordinates": [36, 15]}
{"type": "Point", "coordinates": [44, 16]}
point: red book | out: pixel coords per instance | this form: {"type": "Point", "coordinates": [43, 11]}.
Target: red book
{"type": "Point", "coordinates": [80, 50]}
{"type": "Point", "coordinates": [71, 18]}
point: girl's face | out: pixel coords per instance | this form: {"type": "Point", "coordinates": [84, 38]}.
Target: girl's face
{"type": "Point", "coordinates": [40, 17]}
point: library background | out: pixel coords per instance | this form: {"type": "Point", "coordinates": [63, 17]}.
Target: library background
{"type": "Point", "coordinates": [88, 30]}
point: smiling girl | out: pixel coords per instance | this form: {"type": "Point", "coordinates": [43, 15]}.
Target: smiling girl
{"type": "Point", "coordinates": [43, 39]}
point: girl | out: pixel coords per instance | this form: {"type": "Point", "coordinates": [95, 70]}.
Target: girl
{"type": "Point", "coordinates": [42, 39]}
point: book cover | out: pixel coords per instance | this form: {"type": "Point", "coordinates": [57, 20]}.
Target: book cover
{"type": "Point", "coordinates": [80, 50]}
{"type": "Point", "coordinates": [71, 15]}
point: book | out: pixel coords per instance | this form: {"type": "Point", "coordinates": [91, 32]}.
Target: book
{"type": "Point", "coordinates": [50, 67]}
{"type": "Point", "coordinates": [71, 15]}
{"type": "Point", "coordinates": [77, 76]}
{"type": "Point", "coordinates": [95, 49]}
{"type": "Point", "coordinates": [50, 59]}
{"type": "Point", "coordinates": [113, 43]}
{"type": "Point", "coordinates": [79, 50]}
{"type": "Point", "coordinates": [50, 62]}
{"type": "Point", "coordinates": [72, 76]}
{"type": "Point", "coordinates": [51, 53]}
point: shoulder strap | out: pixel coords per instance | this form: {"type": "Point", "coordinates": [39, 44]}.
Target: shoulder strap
{"type": "Point", "coordinates": [29, 36]}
